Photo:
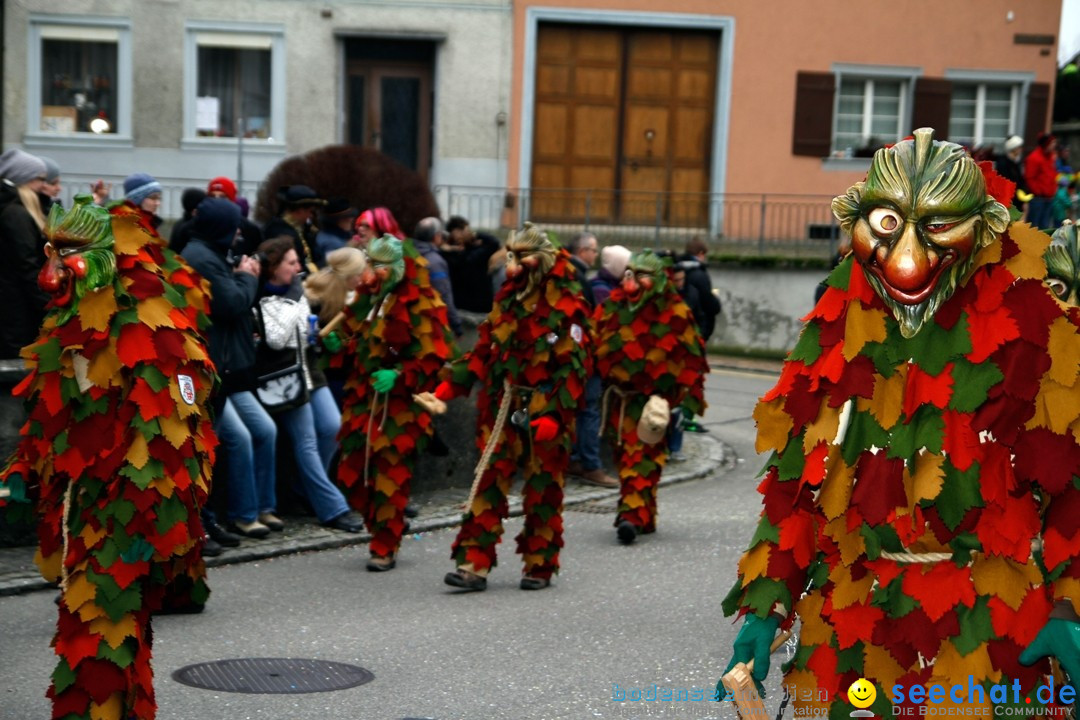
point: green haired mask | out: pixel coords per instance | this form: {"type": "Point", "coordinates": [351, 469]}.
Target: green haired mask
{"type": "Point", "coordinates": [387, 260]}
{"type": "Point", "coordinates": [917, 223]}
{"type": "Point", "coordinates": [645, 277]}
{"type": "Point", "coordinates": [1063, 264]}
{"type": "Point", "coordinates": [79, 254]}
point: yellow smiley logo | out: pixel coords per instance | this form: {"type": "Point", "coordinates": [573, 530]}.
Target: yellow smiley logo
{"type": "Point", "coordinates": [862, 693]}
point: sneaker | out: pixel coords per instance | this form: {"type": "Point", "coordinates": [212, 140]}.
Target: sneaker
{"type": "Point", "coordinates": [599, 478]}
{"type": "Point", "coordinates": [271, 521]}
{"type": "Point", "coordinates": [626, 531]}
{"type": "Point", "coordinates": [253, 529]}
{"type": "Point", "coordinates": [221, 536]}
{"type": "Point", "coordinates": [211, 547]}
{"type": "Point", "coordinates": [533, 583]}
{"type": "Point", "coordinates": [381, 564]}
{"type": "Point", "coordinates": [346, 522]}
{"type": "Point", "coordinates": [465, 580]}
{"type": "Point", "coordinates": [677, 457]}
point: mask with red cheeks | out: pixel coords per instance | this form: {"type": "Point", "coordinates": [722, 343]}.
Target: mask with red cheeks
{"type": "Point", "coordinates": [78, 255]}
{"type": "Point", "coordinates": [386, 265]}
{"type": "Point", "coordinates": [645, 276]}
{"type": "Point", "coordinates": [917, 224]}
{"type": "Point", "coordinates": [530, 255]}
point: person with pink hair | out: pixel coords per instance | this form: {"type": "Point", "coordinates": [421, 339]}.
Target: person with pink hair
{"type": "Point", "coordinates": [375, 222]}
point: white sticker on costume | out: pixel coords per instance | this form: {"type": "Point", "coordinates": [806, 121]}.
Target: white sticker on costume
{"type": "Point", "coordinates": [187, 388]}
{"type": "Point", "coordinates": [575, 332]}
{"type": "Point", "coordinates": [552, 338]}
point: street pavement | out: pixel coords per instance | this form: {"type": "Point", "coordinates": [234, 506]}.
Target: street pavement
{"type": "Point", "coordinates": [618, 621]}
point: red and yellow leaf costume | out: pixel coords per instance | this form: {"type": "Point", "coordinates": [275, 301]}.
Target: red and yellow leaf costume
{"type": "Point", "coordinates": [654, 349]}
{"type": "Point", "coordinates": [409, 332]}
{"type": "Point", "coordinates": [540, 344]}
{"type": "Point", "coordinates": [116, 456]}
{"type": "Point", "coordinates": [923, 490]}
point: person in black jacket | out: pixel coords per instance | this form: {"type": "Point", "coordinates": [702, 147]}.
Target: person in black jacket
{"type": "Point", "coordinates": [181, 232]}
{"type": "Point", "coordinates": [697, 274]}
{"type": "Point", "coordinates": [22, 302]}
{"type": "Point", "coordinates": [247, 432]}
{"type": "Point", "coordinates": [467, 254]}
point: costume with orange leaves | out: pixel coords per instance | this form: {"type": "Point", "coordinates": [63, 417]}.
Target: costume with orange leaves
{"type": "Point", "coordinates": [532, 357]}
{"type": "Point", "coordinates": [116, 453]}
{"type": "Point", "coordinates": [398, 340]}
{"type": "Point", "coordinates": [921, 499]}
{"type": "Point", "coordinates": [646, 345]}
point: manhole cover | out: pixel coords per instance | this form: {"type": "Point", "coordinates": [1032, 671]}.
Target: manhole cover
{"type": "Point", "coordinates": [272, 676]}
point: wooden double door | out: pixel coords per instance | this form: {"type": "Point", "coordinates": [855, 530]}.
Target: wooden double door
{"type": "Point", "coordinates": [623, 127]}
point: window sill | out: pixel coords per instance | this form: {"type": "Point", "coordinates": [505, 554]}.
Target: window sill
{"type": "Point", "coordinates": [845, 164]}
{"type": "Point", "coordinates": [80, 140]}
{"type": "Point", "coordinates": [251, 145]}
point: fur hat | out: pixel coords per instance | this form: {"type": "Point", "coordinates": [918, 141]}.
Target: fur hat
{"type": "Point", "coordinates": [614, 259]}
{"type": "Point", "coordinates": [20, 167]}
{"type": "Point", "coordinates": [346, 261]}
{"type": "Point", "coordinates": [654, 420]}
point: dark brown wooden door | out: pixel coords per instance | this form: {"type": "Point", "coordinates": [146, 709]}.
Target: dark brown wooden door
{"type": "Point", "coordinates": [628, 115]}
{"type": "Point", "coordinates": [389, 109]}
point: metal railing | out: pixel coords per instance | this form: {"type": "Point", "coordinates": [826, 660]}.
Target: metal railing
{"type": "Point", "coordinates": [732, 223]}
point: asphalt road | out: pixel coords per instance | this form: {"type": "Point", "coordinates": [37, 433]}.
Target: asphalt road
{"type": "Point", "coordinates": [617, 619]}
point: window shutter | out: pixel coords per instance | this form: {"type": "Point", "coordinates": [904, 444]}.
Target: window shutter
{"type": "Point", "coordinates": [812, 134]}
{"type": "Point", "coordinates": [1038, 104]}
{"type": "Point", "coordinates": [933, 97]}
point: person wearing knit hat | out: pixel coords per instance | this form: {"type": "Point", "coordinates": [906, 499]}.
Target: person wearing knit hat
{"type": "Point", "coordinates": [222, 187]}
{"type": "Point", "coordinates": [142, 198]}
{"type": "Point", "coordinates": [51, 185]}
{"type": "Point", "coordinates": [140, 186]}
{"type": "Point", "coordinates": [22, 303]}
{"type": "Point", "coordinates": [1008, 165]}
{"type": "Point", "coordinates": [613, 261]}
{"type": "Point", "coordinates": [21, 168]}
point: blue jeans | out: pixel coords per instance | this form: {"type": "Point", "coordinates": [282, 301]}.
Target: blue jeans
{"type": "Point", "coordinates": [675, 431]}
{"type": "Point", "coordinates": [587, 446]}
{"type": "Point", "coordinates": [1039, 212]}
{"type": "Point", "coordinates": [248, 439]}
{"type": "Point", "coordinates": [313, 428]}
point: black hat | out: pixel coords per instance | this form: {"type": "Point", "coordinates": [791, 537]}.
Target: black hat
{"type": "Point", "coordinates": [299, 195]}
{"type": "Point", "coordinates": [216, 220]}
{"type": "Point", "coordinates": [339, 207]}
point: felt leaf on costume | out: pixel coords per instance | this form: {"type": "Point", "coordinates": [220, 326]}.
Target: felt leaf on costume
{"type": "Point", "coordinates": [933, 347]}
{"type": "Point", "coordinates": [797, 534]}
{"type": "Point", "coordinates": [774, 425]}
{"type": "Point", "coordinates": [925, 482]}
{"type": "Point", "coordinates": [923, 389]}
{"type": "Point", "coordinates": [1063, 347]}
{"type": "Point", "coordinates": [886, 402]}
{"type": "Point", "coordinates": [1003, 578]}
{"type": "Point", "coordinates": [836, 489]}
{"type": "Point", "coordinates": [879, 486]}
{"type": "Point", "coordinates": [753, 563]}
{"type": "Point", "coordinates": [808, 348]}
{"type": "Point", "coordinates": [921, 432]}
{"type": "Point", "coordinates": [971, 382]}
{"type": "Point", "coordinates": [97, 308]}
{"type": "Point", "coordinates": [1029, 264]}
{"type": "Point", "coordinates": [959, 493]}
{"type": "Point", "coordinates": [861, 327]}
{"type": "Point", "coordinates": [863, 432]}
{"type": "Point", "coordinates": [939, 587]}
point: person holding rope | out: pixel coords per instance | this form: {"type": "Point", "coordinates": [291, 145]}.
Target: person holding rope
{"type": "Point", "coordinates": [532, 356]}
{"type": "Point", "coordinates": [651, 359]}
{"type": "Point", "coordinates": [396, 339]}
{"type": "Point", "coordinates": [921, 494]}
{"type": "Point", "coordinates": [116, 454]}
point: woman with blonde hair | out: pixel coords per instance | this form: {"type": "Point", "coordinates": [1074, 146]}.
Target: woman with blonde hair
{"type": "Point", "coordinates": [334, 287]}
{"type": "Point", "coordinates": [22, 303]}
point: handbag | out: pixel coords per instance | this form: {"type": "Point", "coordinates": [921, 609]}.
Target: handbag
{"type": "Point", "coordinates": [280, 385]}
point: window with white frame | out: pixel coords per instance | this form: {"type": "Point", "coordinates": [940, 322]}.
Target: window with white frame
{"type": "Point", "coordinates": [237, 82]}
{"type": "Point", "coordinates": [870, 112]}
{"type": "Point", "coordinates": [79, 76]}
{"type": "Point", "coordinates": [983, 113]}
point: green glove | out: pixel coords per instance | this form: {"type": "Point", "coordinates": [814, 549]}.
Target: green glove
{"type": "Point", "coordinates": [383, 380]}
{"type": "Point", "coordinates": [1059, 638]}
{"type": "Point", "coordinates": [753, 641]}
{"type": "Point", "coordinates": [332, 342]}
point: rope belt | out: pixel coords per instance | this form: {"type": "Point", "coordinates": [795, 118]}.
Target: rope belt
{"type": "Point", "coordinates": [371, 420]}
{"type": "Point", "coordinates": [496, 433]}
{"type": "Point", "coordinates": [67, 537]}
{"type": "Point", "coordinates": [909, 558]}
{"type": "Point", "coordinates": [623, 395]}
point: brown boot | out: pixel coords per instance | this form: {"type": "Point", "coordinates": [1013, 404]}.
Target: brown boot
{"type": "Point", "coordinates": [600, 478]}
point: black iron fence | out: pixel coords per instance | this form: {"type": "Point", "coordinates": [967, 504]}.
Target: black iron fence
{"type": "Point", "coordinates": [732, 223]}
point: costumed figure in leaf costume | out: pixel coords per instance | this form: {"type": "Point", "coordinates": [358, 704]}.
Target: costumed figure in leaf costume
{"type": "Point", "coordinates": [398, 339]}
{"type": "Point", "coordinates": [922, 496]}
{"type": "Point", "coordinates": [532, 358]}
{"type": "Point", "coordinates": [116, 453]}
{"type": "Point", "coordinates": [652, 359]}
{"type": "Point", "coordinates": [1063, 264]}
